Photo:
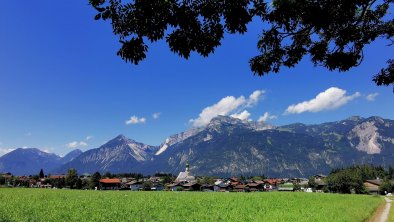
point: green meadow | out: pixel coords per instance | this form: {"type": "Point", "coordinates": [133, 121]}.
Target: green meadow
{"type": "Point", "coordinates": [80, 205]}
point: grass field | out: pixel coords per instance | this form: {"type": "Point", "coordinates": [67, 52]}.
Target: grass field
{"type": "Point", "coordinates": [76, 205]}
{"type": "Point", "coordinates": [391, 214]}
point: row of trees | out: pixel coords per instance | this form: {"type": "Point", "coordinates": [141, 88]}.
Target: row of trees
{"type": "Point", "coordinates": [351, 179]}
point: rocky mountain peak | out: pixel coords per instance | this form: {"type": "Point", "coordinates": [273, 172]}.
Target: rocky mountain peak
{"type": "Point", "coordinates": [71, 155]}
{"type": "Point", "coordinates": [225, 120]}
{"type": "Point", "coordinates": [118, 141]}
{"type": "Point", "coordinates": [177, 138]}
{"type": "Point", "coordinates": [121, 138]}
{"type": "Point", "coordinates": [376, 119]}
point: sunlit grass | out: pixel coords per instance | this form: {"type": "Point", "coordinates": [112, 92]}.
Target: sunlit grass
{"type": "Point", "coordinates": [76, 205]}
{"type": "Point", "coordinates": [391, 214]}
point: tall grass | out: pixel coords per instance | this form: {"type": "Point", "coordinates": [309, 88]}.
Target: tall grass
{"type": "Point", "coordinates": [76, 205]}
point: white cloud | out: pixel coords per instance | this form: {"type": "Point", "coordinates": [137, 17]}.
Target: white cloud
{"type": "Point", "coordinates": [266, 116]}
{"type": "Point", "coordinates": [75, 144]}
{"type": "Point", "coordinates": [242, 116]}
{"type": "Point", "coordinates": [135, 120]}
{"type": "Point", "coordinates": [371, 97]}
{"type": "Point", "coordinates": [228, 105]}
{"type": "Point", "coordinates": [330, 99]}
{"type": "Point", "coordinates": [156, 115]}
{"type": "Point", "coordinates": [255, 97]}
{"type": "Point", "coordinates": [89, 138]}
{"type": "Point", "coordinates": [5, 151]}
{"type": "Point", "coordinates": [224, 107]}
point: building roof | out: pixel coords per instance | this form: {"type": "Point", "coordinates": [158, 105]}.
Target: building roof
{"type": "Point", "coordinates": [174, 184]}
{"type": "Point", "coordinates": [253, 184]}
{"type": "Point", "coordinates": [273, 181]}
{"type": "Point", "coordinates": [240, 186]}
{"type": "Point", "coordinates": [320, 176]}
{"type": "Point", "coordinates": [133, 182]}
{"type": "Point", "coordinates": [56, 176]}
{"type": "Point", "coordinates": [190, 184]}
{"type": "Point", "coordinates": [285, 188]}
{"type": "Point", "coordinates": [376, 182]}
{"type": "Point", "coordinates": [115, 180]}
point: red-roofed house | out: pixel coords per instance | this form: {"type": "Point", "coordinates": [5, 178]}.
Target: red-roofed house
{"type": "Point", "coordinates": [110, 184]}
{"type": "Point", "coordinates": [55, 177]}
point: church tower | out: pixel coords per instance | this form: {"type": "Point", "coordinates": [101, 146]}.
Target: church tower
{"type": "Point", "coordinates": [187, 168]}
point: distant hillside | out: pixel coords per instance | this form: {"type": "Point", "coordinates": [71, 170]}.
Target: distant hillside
{"type": "Point", "coordinates": [119, 155]}
{"type": "Point", "coordinates": [29, 161]}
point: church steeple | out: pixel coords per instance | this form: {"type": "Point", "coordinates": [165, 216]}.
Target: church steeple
{"type": "Point", "coordinates": [187, 167]}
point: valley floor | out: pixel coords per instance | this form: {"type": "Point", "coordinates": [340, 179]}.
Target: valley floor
{"type": "Point", "coordinates": [79, 205]}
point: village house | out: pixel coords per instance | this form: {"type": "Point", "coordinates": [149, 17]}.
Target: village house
{"type": "Point", "coordinates": [176, 186]}
{"type": "Point", "coordinates": [320, 181]}
{"type": "Point", "coordinates": [110, 184]}
{"type": "Point", "coordinates": [372, 186]}
{"type": "Point", "coordinates": [223, 187]}
{"type": "Point", "coordinates": [286, 187]}
{"type": "Point", "coordinates": [207, 187]}
{"type": "Point", "coordinates": [240, 188]}
{"type": "Point", "coordinates": [56, 177]}
{"type": "Point", "coordinates": [272, 184]}
{"type": "Point", "coordinates": [7, 178]}
{"type": "Point", "coordinates": [135, 185]}
{"type": "Point", "coordinates": [193, 186]}
{"type": "Point", "coordinates": [157, 187]}
{"type": "Point", "coordinates": [253, 187]}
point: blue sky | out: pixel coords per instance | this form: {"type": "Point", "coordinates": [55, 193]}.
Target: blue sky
{"type": "Point", "coordinates": [62, 85]}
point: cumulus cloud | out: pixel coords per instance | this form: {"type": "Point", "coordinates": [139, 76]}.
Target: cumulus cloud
{"type": "Point", "coordinates": [371, 97]}
{"type": "Point", "coordinates": [135, 120]}
{"type": "Point", "coordinates": [5, 151]}
{"type": "Point", "coordinates": [228, 105]}
{"type": "Point", "coordinates": [266, 116]}
{"type": "Point", "coordinates": [75, 144]}
{"type": "Point", "coordinates": [255, 97]}
{"type": "Point", "coordinates": [89, 138]}
{"type": "Point", "coordinates": [330, 99]}
{"type": "Point", "coordinates": [223, 107]}
{"type": "Point", "coordinates": [156, 115]}
{"type": "Point", "coordinates": [242, 116]}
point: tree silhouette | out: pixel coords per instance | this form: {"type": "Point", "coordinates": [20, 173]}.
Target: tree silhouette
{"type": "Point", "coordinates": [71, 178]}
{"type": "Point", "coordinates": [332, 32]}
{"type": "Point", "coordinates": [41, 174]}
{"type": "Point", "coordinates": [95, 180]}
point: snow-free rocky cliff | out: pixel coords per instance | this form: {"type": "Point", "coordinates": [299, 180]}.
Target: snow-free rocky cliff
{"type": "Point", "coordinates": [229, 146]}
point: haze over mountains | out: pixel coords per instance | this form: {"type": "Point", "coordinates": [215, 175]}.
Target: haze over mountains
{"type": "Point", "coordinates": [229, 146]}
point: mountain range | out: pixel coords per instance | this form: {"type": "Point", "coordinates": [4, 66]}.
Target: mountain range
{"type": "Point", "coordinates": [29, 161]}
{"type": "Point", "coordinates": [228, 146]}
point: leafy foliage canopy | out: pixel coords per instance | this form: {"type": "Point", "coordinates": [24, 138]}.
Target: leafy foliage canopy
{"type": "Point", "coordinates": [332, 32]}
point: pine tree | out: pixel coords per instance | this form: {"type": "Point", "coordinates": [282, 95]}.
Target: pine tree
{"type": "Point", "coordinates": [41, 174]}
